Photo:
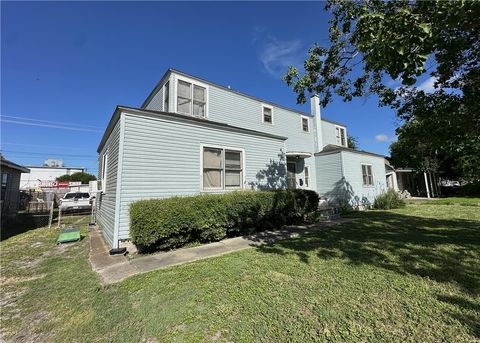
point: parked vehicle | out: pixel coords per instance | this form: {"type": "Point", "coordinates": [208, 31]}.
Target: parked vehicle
{"type": "Point", "coordinates": [75, 201]}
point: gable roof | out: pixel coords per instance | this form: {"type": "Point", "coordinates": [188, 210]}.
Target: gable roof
{"type": "Point", "coordinates": [331, 148]}
{"type": "Point", "coordinates": [176, 116]}
{"type": "Point", "coordinates": [13, 165]}
{"type": "Point", "coordinates": [172, 70]}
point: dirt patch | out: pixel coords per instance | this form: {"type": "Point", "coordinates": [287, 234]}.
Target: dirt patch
{"type": "Point", "coordinates": [28, 334]}
{"type": "Point", "coordinates": [17, 279]}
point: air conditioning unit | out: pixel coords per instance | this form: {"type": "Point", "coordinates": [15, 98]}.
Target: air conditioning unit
{"type": "Point", "coordinates": [95, 186]}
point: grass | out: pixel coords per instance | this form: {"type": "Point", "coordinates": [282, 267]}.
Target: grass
{"type": "Point", "coordinates": [400, 275]}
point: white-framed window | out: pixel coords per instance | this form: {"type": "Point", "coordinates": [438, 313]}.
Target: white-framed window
{"type": "Point", "coordinates": [267, 114]}
{"type": "Point", "coordinates": [222, 168]}
{"type": "Point", "coordinates": [305, 124]}
{"type": "Point", "coordinates": [104, 171]}
{"type": "Point", "coordinates": [367, 175]}
{"type": "Point", "coordinates": [340, 136]}
{"type": "Point", "coordinates": [166, 96]}
{"type": "Point", "coordinates": [306, 172]}
{"type": "Point", "coordinates": [191, 99]}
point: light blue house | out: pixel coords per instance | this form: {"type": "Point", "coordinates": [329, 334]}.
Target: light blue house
{"type": "Point", "coordinates": [192, 136]}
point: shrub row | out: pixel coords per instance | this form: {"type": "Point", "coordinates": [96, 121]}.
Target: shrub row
{"type": "Point", "coordinates": [176, 221]}
{"type": "Point", "coordinates": [388, 200]}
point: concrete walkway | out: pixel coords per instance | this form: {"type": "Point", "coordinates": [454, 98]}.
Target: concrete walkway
{"type": "Point", "coordinates": [113, 269]}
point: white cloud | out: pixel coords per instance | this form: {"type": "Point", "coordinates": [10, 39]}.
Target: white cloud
{"type": "Point", "coordinates": [428, 85]}
{"type": "Point", "coordinates": [381, 137]}
{"type": "Point", "coordinates": [276, 56]}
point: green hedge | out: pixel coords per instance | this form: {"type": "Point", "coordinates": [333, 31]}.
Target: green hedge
{"type": "Point", "coordinates": [176, 221]}
{"type": "Point", "coordinates": [388, 200]}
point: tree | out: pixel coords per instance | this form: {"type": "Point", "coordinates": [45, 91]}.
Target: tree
{"type": "Point", "coordinates": [85, 178]}
{"type": "Point", "coordinates": [352, 142]}
{"type": "Point", "coordinates": [399, 41]}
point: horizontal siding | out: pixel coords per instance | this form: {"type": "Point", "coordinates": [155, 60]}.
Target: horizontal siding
{"type": "Point", "coordinates": [156, 104]}
{"type": "Point", "coordinates": [328, 133]}
{"type": "Point", "coordinates": [237, 110]}
{"type": "Point", "coordinates": [106, 201]}
{"type": "Point", "coordinates": [161, 158]}
{"type": "Point", "coordinates": [328, 170]}
{"type": "Point", "coordinates": [352, 163]}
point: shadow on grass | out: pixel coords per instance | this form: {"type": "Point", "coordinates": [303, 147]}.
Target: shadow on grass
{"type": "Point", "coordinates": [439, 249]}
{"type": "Point", "coordinates": [443, 250]}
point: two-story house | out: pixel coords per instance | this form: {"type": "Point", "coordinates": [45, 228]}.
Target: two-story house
{"type": "Point", "coordinates": [192, 136]}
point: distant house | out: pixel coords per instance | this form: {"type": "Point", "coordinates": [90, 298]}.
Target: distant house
{"type": "Point", "coordinates": [192, 136]}
{"type": "Point", "coordinates": [10, 187]}
{"type": "Point", "coordinates": [417, 184]}
{"type": "Point", "coordinates": [45, 176]}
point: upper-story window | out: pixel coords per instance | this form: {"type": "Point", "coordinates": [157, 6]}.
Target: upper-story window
{"type": "Point", "coordinates": [191, 99]}
{"type": "Point", "coordinates": [340, 136]}
{"type": "Point", "coordinates": [267, 114]}
{"type": "Point", "coordinates": [166, 96]}
{"type": "Point", "coordinates": [305, 124]}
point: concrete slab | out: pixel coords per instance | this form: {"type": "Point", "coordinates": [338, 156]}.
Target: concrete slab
{"type": "Point", "coordinates": [114, 269]}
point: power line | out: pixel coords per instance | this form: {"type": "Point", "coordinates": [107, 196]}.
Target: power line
{"type": "Point", "coordinates": [49, 125]}
{"type": "Point", "coordinates": [42, 146]}
{"type": "Point", "coordinates": [49, 121]}
{"type": "Point", "coordinates": [49, 154]}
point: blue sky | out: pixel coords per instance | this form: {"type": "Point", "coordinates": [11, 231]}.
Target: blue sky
{"type": "Point", "coordinates": [65, 66]}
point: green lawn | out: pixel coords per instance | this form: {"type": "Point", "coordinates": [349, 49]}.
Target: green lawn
{"type": "Point", "coordinates": [404, 275]}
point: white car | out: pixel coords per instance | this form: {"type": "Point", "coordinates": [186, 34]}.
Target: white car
{"type": "Point", "coordinates": [75, 201]}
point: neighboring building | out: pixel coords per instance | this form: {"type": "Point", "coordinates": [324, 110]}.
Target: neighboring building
{"type": "Point", "coordinates": [10, 196]}
{"type": "Point", "coordinates": [53, 163]}
{"type": "Point", "coordinates": [45, 176]}
{"type": "Point", "coordinates": [192, 136]}
{"type": "Point", "coordinates": [417, 184]}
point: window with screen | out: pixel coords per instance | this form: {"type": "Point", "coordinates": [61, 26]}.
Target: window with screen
{"type": "Point", "coordinates": [222, 168]}
{"type": "Point", "coordinates": [367, 175]}
{"type": "Point", "coordinates": [191, 99]}
{"type": "Point", "coordinates": [267, 115]}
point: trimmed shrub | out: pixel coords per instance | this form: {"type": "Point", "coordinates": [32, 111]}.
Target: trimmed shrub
{"type": "Point", "coordinates": [176, 221]}
{"type": "Point", "coordinates": [388, 200]}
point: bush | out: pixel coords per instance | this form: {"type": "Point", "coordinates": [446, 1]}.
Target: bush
{"type": "Point", "coordinates": [389, 200]}
{"type": "Point", "coordinates": [176, 221]}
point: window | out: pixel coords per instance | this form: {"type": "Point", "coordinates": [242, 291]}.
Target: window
{"type": "Point", "coordinates": [340, 136]}
{"type": "Point", "coordinates": [367, 175]}
{"type": "Point", "coordinates": [267, 114]}
{"type": "Point", "coordinates": [4, 180]}
{"type": "Point", "coordinates": [305, 124]}
{"type": "Point", "coordinates": [5, 177]}
{"type": "Point", "coordinates": [166, 94]}
{"type": "Point", "coordinates": [307, 177]}
{"type": "Point", "coordinates": [104, 171]}
{"type": "Point", "coordinates": [191, 99]}
{"type": "Point", "coordinates": [222, 168]}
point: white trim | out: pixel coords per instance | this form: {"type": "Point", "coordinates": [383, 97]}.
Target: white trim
{"type": "Point", "coordinates": [192, 82]}
{"type": "Point", "coordinates": [104, 171]}
{"type": "Point", "coordinates": [263, 116]}
{"type": "Point", "coordinates": [118, 195]}
{"type": "Point", "coordinates": [164, 87]}
{"type": "Point", "coordinates": [345, 134]}
{"type": "Point", "coordinates": [223, 188]}
{"type": "Point", "coordinates": [361, 171]}
{"type": "Point", "coordinates": [309, 124]}
{"type": "Point", "coordinates": [305, 178]}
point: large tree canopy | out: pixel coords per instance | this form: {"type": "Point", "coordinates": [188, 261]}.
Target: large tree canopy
{"type": "Point", "coordinates": [374, 44]}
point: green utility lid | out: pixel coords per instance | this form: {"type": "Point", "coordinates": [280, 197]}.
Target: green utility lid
{"type": "Point", "coordinates": [69, 235]}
